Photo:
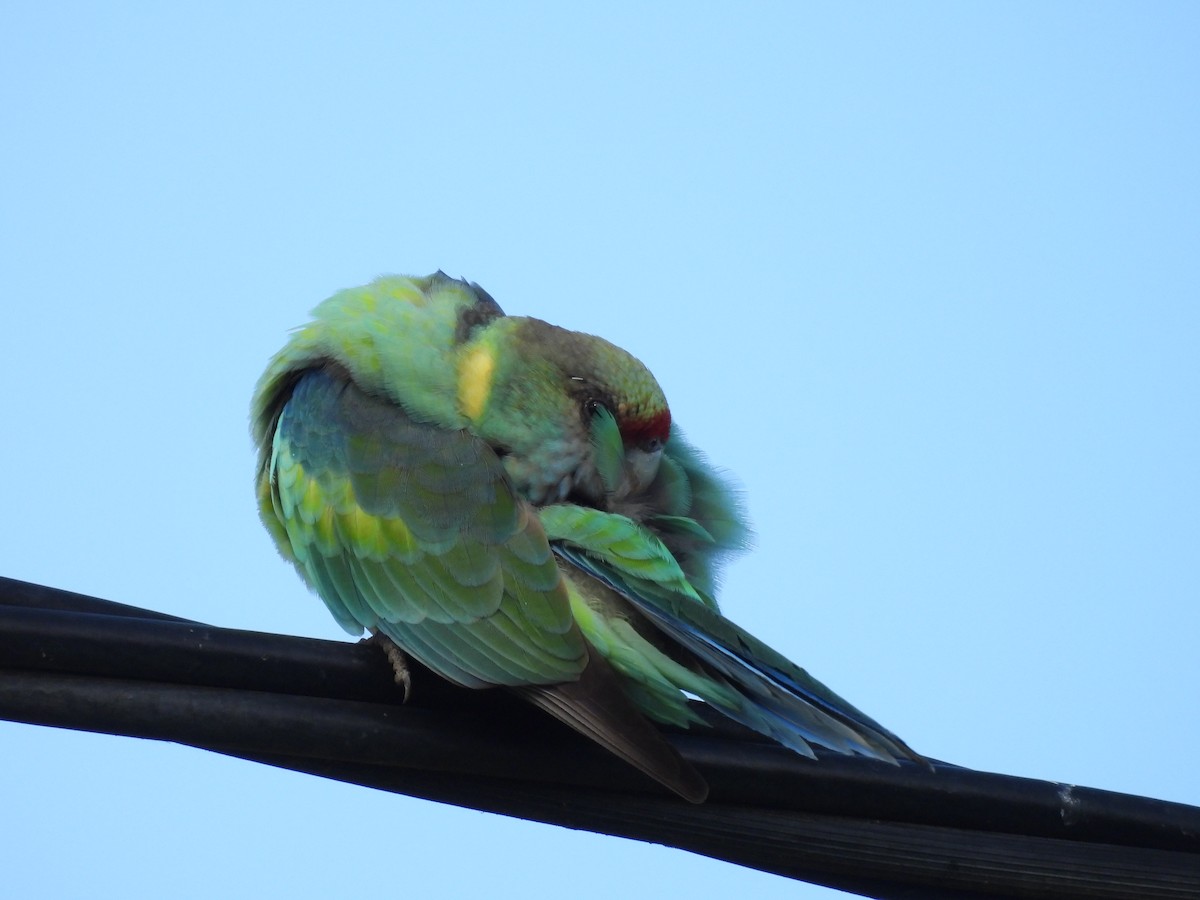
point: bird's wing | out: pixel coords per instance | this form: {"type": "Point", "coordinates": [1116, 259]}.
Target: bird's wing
{"type": "Point", "coordinates": [411, 528]}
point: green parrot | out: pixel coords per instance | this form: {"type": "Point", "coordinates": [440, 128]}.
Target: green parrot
{"type": "Point", "coordinates": [509, 503]}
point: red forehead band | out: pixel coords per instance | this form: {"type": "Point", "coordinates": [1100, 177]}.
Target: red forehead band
{"type": "Point", "coordinates": [656, 427]}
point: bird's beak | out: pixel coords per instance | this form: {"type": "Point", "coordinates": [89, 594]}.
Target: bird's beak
{"type": "Point", "coordinates": [641, 467]}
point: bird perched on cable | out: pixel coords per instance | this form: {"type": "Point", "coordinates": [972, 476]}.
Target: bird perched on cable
{"type": "Point", "coordinates": [509, 503]}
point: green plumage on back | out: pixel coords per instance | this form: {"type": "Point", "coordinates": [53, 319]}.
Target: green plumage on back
{"type": "Point", "coordinates": [392, 337]}
{"type": "Point", "coordinates": [509, 503]}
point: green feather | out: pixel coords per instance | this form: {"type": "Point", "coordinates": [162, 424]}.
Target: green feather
{"type": "Point", "coordinates": [608, 450]}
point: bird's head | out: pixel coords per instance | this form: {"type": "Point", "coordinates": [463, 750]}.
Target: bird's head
{"type": "Point", "coordinates": [573, 416]}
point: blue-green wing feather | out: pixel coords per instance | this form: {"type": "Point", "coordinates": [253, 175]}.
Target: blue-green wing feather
{"type": "Point", "coordinates": [773, 695]}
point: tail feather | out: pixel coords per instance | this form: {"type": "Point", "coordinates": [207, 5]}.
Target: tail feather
{"type": "Point", "coordinates": [597, 707]}
{"type": "Point", "coordinates": [794, 705]}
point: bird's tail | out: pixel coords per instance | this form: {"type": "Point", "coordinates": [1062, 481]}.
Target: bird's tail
{"type": "Point", "coordinates": [597, 706]}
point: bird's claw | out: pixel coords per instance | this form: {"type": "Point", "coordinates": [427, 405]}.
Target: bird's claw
{"type": "Point", "coordinates": [398, 659]}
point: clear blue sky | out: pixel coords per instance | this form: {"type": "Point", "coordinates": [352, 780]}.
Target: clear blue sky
{"type": "Point", "coordinates": [926, 277]}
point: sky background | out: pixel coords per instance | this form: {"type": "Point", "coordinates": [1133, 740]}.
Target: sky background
{"type": "Point", "coordinates": [925, 277]}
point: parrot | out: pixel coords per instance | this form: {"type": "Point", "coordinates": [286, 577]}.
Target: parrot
{"type": "Point", "coordinates": [510, 503]}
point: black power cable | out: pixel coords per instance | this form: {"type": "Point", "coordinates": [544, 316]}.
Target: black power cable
{"type": "Point", "coordinates": [332, 709]}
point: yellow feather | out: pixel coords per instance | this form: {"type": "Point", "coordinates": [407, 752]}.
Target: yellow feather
{"type": "Point", "coordinates": [475, 371]}
{"type": "Point", "coordinates": [363, 534]}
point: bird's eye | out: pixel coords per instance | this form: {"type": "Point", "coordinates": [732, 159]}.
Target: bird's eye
{"type": "Point", "coordinates": [652, 445]}
{"type": "Point", "coordinates": [592, 407]}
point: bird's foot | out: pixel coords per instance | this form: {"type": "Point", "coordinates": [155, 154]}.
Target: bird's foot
{"type": "Point", "coordinates": [398, 659]}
